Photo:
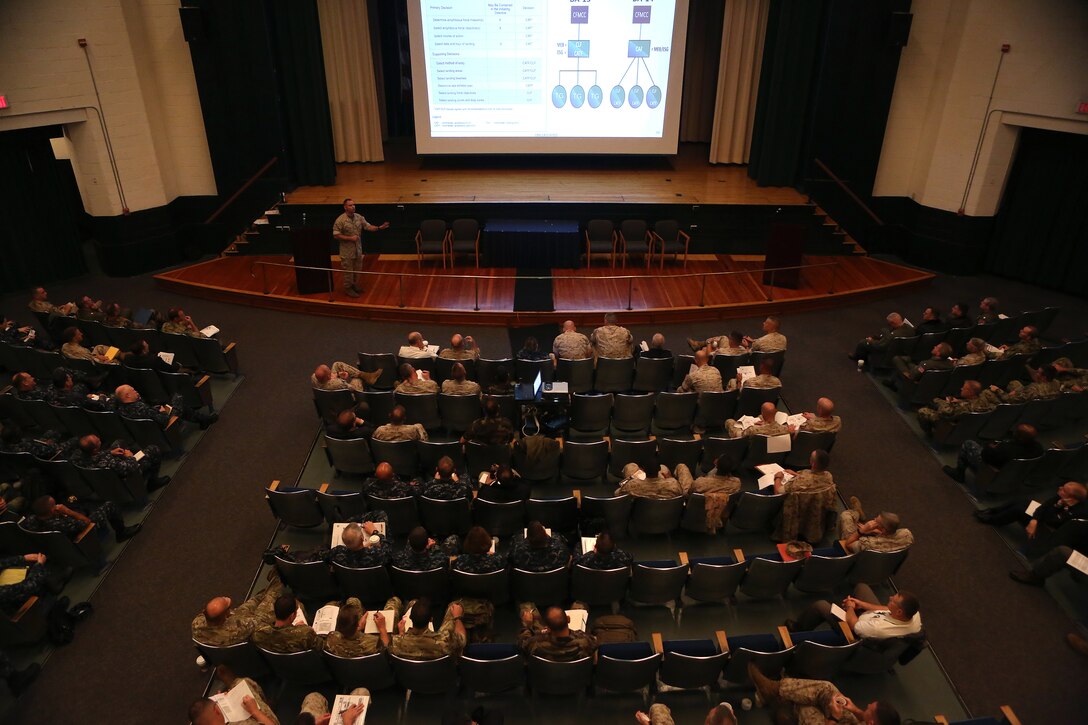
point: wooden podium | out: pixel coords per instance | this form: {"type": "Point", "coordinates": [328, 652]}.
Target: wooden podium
{"type": "Point", "coordinates": [785, 248]}
{"type": "Point", "coordinates": [310, 245]}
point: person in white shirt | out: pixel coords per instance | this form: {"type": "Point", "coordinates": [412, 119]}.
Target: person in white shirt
{"type": "Point", "coordinates": [416, 347]}
{"type": "Point", "coordinates": [865, 615]}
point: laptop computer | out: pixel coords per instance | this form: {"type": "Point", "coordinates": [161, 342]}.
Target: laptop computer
{"type": "Point", "coordinates": [526, 392]}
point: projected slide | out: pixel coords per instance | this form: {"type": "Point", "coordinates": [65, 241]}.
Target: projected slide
{"type": "Point", "coordinates": [548, 69]}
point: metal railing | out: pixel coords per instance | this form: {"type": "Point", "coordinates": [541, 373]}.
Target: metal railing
{"type": "Point", "coordinates": [330, 271]}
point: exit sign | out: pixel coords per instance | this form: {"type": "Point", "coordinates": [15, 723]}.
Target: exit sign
{"type": "Point", "coordinates": [1082, 107]}
{"type": "Point", "coordinates": [4, 101]}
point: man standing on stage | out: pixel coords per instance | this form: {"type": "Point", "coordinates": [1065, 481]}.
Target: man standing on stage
{"type": "Point", "coordinates": [348, 230]}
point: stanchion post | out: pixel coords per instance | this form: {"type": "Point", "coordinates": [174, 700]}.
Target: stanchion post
{"type": "Point", "coordinates": [328, 276]}
{"type": "Point", "coordinates": [264, 276]}
{"type": "Point", "coordinates": [400, 281]}
{"type": "Point", "coordinates": [834, 273]}
{"type": "Point", "coordinates": [630, 290]}
{"type": "Point", "coordinates": [476, 284]}
{"type": "Point", "coordinates": [770, 292]}
{"type": "Point", "coordinates": [702, 293]}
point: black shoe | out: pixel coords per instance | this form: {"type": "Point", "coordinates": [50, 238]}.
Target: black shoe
{"type": "Point", "coordinates": [954, 473]}
{"type": "Point", "coordinates": [983, 515]}
{"type": "Point", "coordinates": [156, 483]}
{"type": "Point", "coordinates": [128, 532]}
{"type": "Point", "coordinates": [207, 420]}
{"type": "Point", "coordinates": [19, 680]}
{"type": "Point", "coordinates": [81, 611]}
{"type": "Point", "coordinates": [1026, 577]}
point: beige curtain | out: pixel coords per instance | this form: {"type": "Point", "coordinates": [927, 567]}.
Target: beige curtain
{"type": "Point", "coordinates": [700, 71]}
{"type": "Point", "coordinates": [743, 33]}
{"type": "Point", "coordinates": [349, 75]}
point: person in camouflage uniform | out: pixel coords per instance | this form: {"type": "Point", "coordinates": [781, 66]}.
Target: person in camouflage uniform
{"type": "Point", "coordinates": [815, 702]}
{"type": "Point", "coordinates": [909, 370]}
{"type": "Point", "coordinates": [132, 407]}
{"type": "Point", "coordinates": [987, 311]}
{"type": "Point", "coordinates": [551, 638]}
{"type": "Point", "coordinates": [897, 327]}
{"type": "Point", "coordinates": [349, 639]}
{"type": "Point", "coordinates": [315, 707]}
{"type": "Point", "coordinates": [359, 550]}
{"type": "Point", "coordinates": [763, 381]}
{"type": "Point", "coordinates": [973, 399]}
{"type": "Point", "coordinates": [397, 430]}
{"type": "Point", "coordinates": [386, 484]}
{"type": "Point", "coordinates": [637, 483]}
{"type": "Point", "coordinates": [34, 583]}
{"type": "Point", "coordinates": [705, 379]}
{"type": "Point", "coordinates": [459, 384]}
{"type": "Point", "coordinates": [282, 635]}
{"type": "Point", "coordinates": [716, 487]}
{"type": "Point", "coordinates": [418, 643]}
{"type": "Point", "coordinates": [342, 376]}
{"type": "Point", "coordinates": [731, 344]}
{"type": "Point", "coordinates": [120, 457]}
{"type": "Point", "coordinates": [766, 425]}
{"type": "Point", "coordinates": [604, 555]}
{"type": "Point", "coordinates": [571, 344]}
{"type": "Point", "coordinates": [537, 551]}
{"type": "Point", "coordinates": [411, 383]}
{"type": "Point", "coordinates": [476, 556]}
{"type": "Point", "coordinates": [179, 323]}
{"type": "Point", "coordinates": [422, 553]}
{"type": "Point", "coordinates": [611, 340]}
{"type": "Point", "coordinates": [48, 515]}
{"type": "Point", "coordinates": [823, 420]}
{"type": "Point", "coordinates": [810, 494]}
{"type": "Point", "coordinates": [74, 350]}
{"type": "Point", "coordinates": [461, 348]}
{"type": "Point", "coordinates": [1028, 343]}
{"type": "Point", "coordinates": [772, 340]}
{"type": "Point", "coordinates": [883, 533]}
{"type": "Point", "coordinates": [205, 711]}
{"type": "Point", "coordinates": [976, 353]}
{"type": "Point", "coordinates": [39, 302]}
{"type": "Point", "coordinates": [491, 429]}
{"type": "Point", "coordinates": [446, 485]}
{"type": "Point", "coordinates": [221, 626]}
{"type": "Point", "coordinates": [1044, 384]}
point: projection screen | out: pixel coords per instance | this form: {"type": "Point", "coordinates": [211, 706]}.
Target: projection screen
{"type": "Point", "coordinates": [547, 76]}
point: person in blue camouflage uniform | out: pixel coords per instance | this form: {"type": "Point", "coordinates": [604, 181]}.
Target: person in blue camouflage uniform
{"type": "Point", "coordinates": [604, 555]}
{"type": "Point", "coordinates": [132, 407]}
{"type": "Point", "coordinates": [359, 550]}
{"type": "Point", "coordinates": [422, 553]}
{"type": "Point", "coordinates": [386, 484]}
{"type": "Point", "coordinates": [476, 556]}
{"type": "Point", "coordinates": [48, 515]}
{"type": "Point", "coordinates": [46, 445]}
{"type": "Point", "coordinates": [537, 551]}
{"type": "Point", "coordinates": [27, 388]}
{"type": "Point", "coordinates": [13, 596]}
{"type": "Point", "coordinates": [65, 390]}
{"type": "Point", "coordinates": [120, 458]}
{"type": "Point", "coordinates": [446, 485]}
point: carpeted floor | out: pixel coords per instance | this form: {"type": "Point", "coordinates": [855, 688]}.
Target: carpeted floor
{"type": "Point", "coordinates": [133, 662]}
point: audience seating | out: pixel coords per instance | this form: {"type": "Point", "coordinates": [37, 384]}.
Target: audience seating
{"type": "Point", "coordinates": [491, 668]}
{"type": "Point", "coordinates": [820, 655]}
{"type": "Point", "coordinates": [370, 671]}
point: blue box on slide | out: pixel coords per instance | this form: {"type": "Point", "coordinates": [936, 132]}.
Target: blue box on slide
{"type": "Point", "coordinates": [638, 48]}
{"type": "Point", "coordinates": [580, 48]}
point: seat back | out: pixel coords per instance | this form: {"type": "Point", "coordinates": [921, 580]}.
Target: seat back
{"type": "Point", "coordinates": [147, 383]}
{"type": "Point", "coordinates": [544, 588]}
{"type": "Point", "coordinates": [614, 374]}
{"type": "Point", "coordinates": [309, 580]}
{"type": "Point", "coordinates": [558, 514]}
{"type": "Point", "coordinates": [1000, 420]}
{"type": "Point", "coordinates": [243, 658]}
{"type": "Point", "coordinates": [632, 414]}
{"type": "Point", "coordinates": [733, 450]}
{"type": "Point", "coordinates": [339, 506]}
{"type": "Point", "coordinates": [599, 586]}
{"type": "Point", "coordinates": [876, 656]}
{"type": "Point", "coordinates": [767, 579]}
{"type": "Point", "coordinates": [694, 518]}
{"type": "Point", "coordinates": [295, 506]}
{"type": "Point", "coordinates": [873, 567]}
{"type": "Point", "coordinates": [442, 518]}
{"type": "Point", "coordinates": [379, 403]}
{"type": "Point", "coordinates": [714, 579]}
{"type": "Point", "coordinates": [213, 358]}
{"type": "Point", "coordinates": [804, 443]}
{"type": "Point", "coordinates": [421, 408]}
{"type": "Point", "coordinates": [371, 584]}
{"type": "Point", "coordinates": [824, 573]}
{"type": "Point", "coordinates": [652, 375]}
{"type": "Point", "coordinates": [590, 415]}
{"type": "Point", "coordinates": [107, 485]}
{"type": "Point", "coordinates": [820, 655]}
{"type": "Point", "coordinates": [432, 230]}
{"type": "Point", "coordinates": [370, 671]}
{"type": "Point", "coordinates": [196, 393]}
{"type": "Point", "coordinates": [926, 342]}
{"type": "Point", "coordinates": [584, 461]}
{"type": "Point", "coordinates": [401, 455]}
{"type": "Point", "coordinates": [109, 425]}
{"type": "Point", "coordinates": [672, 452]}
{"type": "Point", "coordinates": [758, 454]}
{"type": "Point", "coordinates": [480, 456]}
{"type": "Point", "coordinates": [491, 668]}
{"type": "Point", "coordinates": [634, 231]}
{"type": "Point", "coordinates": [673, 412]}
{"type": "Point", "coordinates": [71, 481]}
{"type": "Point", "coordinates": [433, 584]}
{"type": "Point", "coordinates": [487, 369]}
{"type": "Point", "coordinates": [930, 385]}
{"type": "Point", "coordinates": [762, 650]}
{"type": "Point", "coordinates": [499, 519]}
{"type": "Point", "coordinates": [656, 516]}
{"type": "Point", "coordinates": [680, 369]}
{"type": "Point", "coordinates": [330, 403]}
{"type": "Point", "coordinates": [752, 399]}
{"type": "Point", "coordinates": [85, 552]}
{"type": "Point", "coordinates": [526, 370]}
{"type": "Point", "coordinates": [402, 513]}
{"type": "Point", "coordinates": [577, 374]}
{"type": "Point", "coordinates": [384, 361]}
{"type": "Point", "coordinates": [427, 677]}
{"type": "Point", "coordinates": [644, 453]}
{"type": "Point", "coordinates": [778, 360]}
{"type": "Point", "coordinates": [614, 510]}
{"type": "Point", "coordinates": [458, 411]}
{"type": "Point", "coordinates": [657, 583]}
{"type": "Point", "coordinates": [431, 452]}
{"type": "Point", "coordinates": [182, 347]}
{"type": "Point", "coordinates": [349, 456]}
{"type": "Point", "coordinates": [954, 382]}
{"type": "Point", "coordinates": [43, 414]}
{"type": "Point", "coordinates": [559, 678]}
{"type": "Point", "coordinates": [691, 664]}
{"type": "Point", "coordinates": [147, 432]}
{"type": "Point", "coordinates": [493, 586]}
{"type": "Point", "coordinates": [755, 511]}
{"type": "Point", "coordinates": [600, 230]}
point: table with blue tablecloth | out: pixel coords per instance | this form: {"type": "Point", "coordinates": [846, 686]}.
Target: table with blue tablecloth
{"type": "Point", "coordinates": [531, 244]}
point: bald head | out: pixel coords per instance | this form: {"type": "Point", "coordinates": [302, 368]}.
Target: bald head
{"type": "Point", "coordinates": [825, 407]}
{"type": "Point", "coordinates": [384, 472]}
{"type": "Point", "coordinates": [415, 339]}
{"type": "Point", "coordinates": [353, 536]}
{"type": "Point", "coordinates": [767, 411]}
{"type": "Point", "coordinates": [568, 326]}
{"type": "Point", "coordinates": [205, 712]}
{"type": "Point", "coordinates": [215, 611]}
{"type": "Point", "coordinates": [126, 394]}
{"type": "Point", "coordinates": [346, 418]}
{"type": "Point", "coordinates": [556, 620]}
{"type": "Point", "coordinates": [397, 415]}
{"type": "Point", "coordinates": [657, 341]}
{"type": "Point", "coordinates": [322, 373]}
{"type": "Point", "coordinates": [701, 357]}
{"type": "Point", "coordinates": [895, 319]}
{"type": "Point", "coordinates": [90, 444]}
{"type": "Point", "coordinates": [456, 341]}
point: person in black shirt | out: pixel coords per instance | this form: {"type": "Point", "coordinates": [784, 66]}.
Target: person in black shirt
{"type": "Point", "coordinates": [657, 349]}
{"type": "Point", "coordinates": [931, 321]}
{"type": "Point", "coordinates": [959, 317]}
{"type": "Point", "coordinates": [1068, 504]}
{"type": "Point", "coordinates": [1021, 444]}
{"type": "Point", "coordinates": [349, 426]}
{"type": "Point", "coordinates": [140, 357]}
{"type": "Point", "coordinates": [530, 350]}
{"type": "Point", "coordinates": [503, 486]}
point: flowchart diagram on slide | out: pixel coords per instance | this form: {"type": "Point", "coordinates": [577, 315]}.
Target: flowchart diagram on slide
{"type": "Point", "coordinates": [590, 68]}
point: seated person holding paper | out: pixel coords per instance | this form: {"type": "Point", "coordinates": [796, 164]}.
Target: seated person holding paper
{"type": "Point", "coordinates": [1028, 343]}
{"type": "Point", "coordinates": [350, 638]}
{"type": "Point", "coordinates": [416, 347]}
{"type": "Point", "coordinates": [1021, 444]}
{"type": "Point", "coordinates": [72, 348]}
{"type": "Point", "coordinates": [348, 426]}
{"type": "Point", "coordinates": [503, 485]}
{"type": "Point", "coordinates": [206, 711]}
{"type": "Point", "coordinates": [459, 384]}
{"type": "Point", "coordinates": [766, 424]}
{"type": "Point", "coordinates": [131, 406]}
{"type": "Point", "coordinates": [72, 520]}
{"type": "Point", "coordinates": [477, 555]}
{"type": "Point", "coordinates": [179, 323]}
{"type": "Point", "coordinates": [283, 635]}
{"type": "Point", "coordinates": [397, 430]}
{"type": "Point", "coordinates": [811, 480]}
{"type": "Point", "coordinates": [461, 348]}
{"type": "Point", "coordinates": [363, 546]}
{"type": "Point", "coordinates": [655, 350]}
{"type": "Point", "coordinates": [492, 429]}
{"type": "Point", "coordinates": [807, 702]}
{"type": "Point", "coordinates": [120, 457]}
{"type": "Point", "coordinates": [810, 496]}
{"type": "Point", "coordinates": [139, 356]}
{"type": "Point", "coordinates": [823, 420]}
{"type": "Point", "coordinates": [415, 641]}
{"type": "Point", "coordinates": [865, 615]}
{"type": "Point", "coordinates": [764, 380]}
{"type": "Point", "coordinates": [897, 327]}
{"type": "Point", "coordinates": [604, 554]}
{"type": "Point", "coordinates": [1066, 505]}
{"type": "Point", "coordinates": [704, 379]}
{"type": "Point", "coordinates": [413, 381]}
{"type": "Point", "coordinates": [39, 302]}
{"type": "Point", "coordinates": [537, 550]}
{"type": "Point", "coordinates": [552, 638]}
{"type": "Point", "coordinates": [28, 579]}
{"type": "Point", "coordinates": [220, 625]}
{"type": "Point", "coordinates": [422, 553]}
{"type": "Point", "coordinates": [976, 353]}
{"type": "Point", "coordinates": [446, 485]}
{"type": "Point", "coordinates": [341, 376]}
{"type": "Point", "coordinates": [637, 483]}
{"type": "Point", "coordinates": [883, 533]}
{"type": "Point", "coordinates": [387, 484]}
{"type": "Point", "coordinates": [315, 709]}
{"type": "Point", "coordinates": [1053, 562]}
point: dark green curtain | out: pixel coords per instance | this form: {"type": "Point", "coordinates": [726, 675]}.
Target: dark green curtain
{"type": "Point", "coordinates": [787, 76]}
{"type": "Point", "coordinates": [296, 41]}
{"type": "Point", "coordinates": [39, 237]}
{"type": "Point", "coordinates": [1041, 234]}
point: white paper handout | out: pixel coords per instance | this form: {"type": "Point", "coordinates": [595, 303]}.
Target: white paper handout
{"type": "Point", "coordinates": [1030, 510]}
{"type": "Point", "coordinates": [838, 612]}
{"type": "Point", "coordinates": [325, 619]}
{"type": "Point", "coordinates": [588, 542]}
{"type": "Point", "coordinates": [644, 346]}
{"type": "Point", "coordinates": [210, 331]}
{"type": "Point", "coordinates": [779, 444]}
{"type": "Point", "coordinates": [780, 417]}
{"type": "Point", "coordinates": [433, 349]}
{"type": "Point", "coordinates": [371, 626]}
{"type": "Point", "coordinates": [578, 619]}
{"type": "Point", "coordinates": [338, 531]}
{"type": "Point", "coordinates": [343, 702]}
{"type": "Point", "coordinates": [1078, 561]}
{"type": "Point", "coordinates": [746, 372]}
{"type": "Point", "coordinates": [796, 421]}
{"type": "Point", "coordinates": [300, 617]}
{"type": "Point", "coordinates": [747, 421]}
{"type": "Point", "coordinates": [167, 357]}
{"type": "Point", "coordinates": [230, 702]}
{"type": "Point", "coordinates": [525, 532]}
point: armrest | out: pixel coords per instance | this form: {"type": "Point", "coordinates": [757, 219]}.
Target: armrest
{"type": "Point", "coordinates": [275, 486]}
{"type": "Point", "coordinates": [83, 534]}
{"type": "Point", "coordinates": [324, 488]}
{"type": "Point", "coordinates": [940, 719]}
{"type": "Point", "coordinates": [738, 555]}
{"type": "Point", "coordinates": [723, 641]}
{"type": "Point", "coordinates": [784, 634]}
{"type": "Point", "coordinates": [27, 606]}
{"type": "Point", "coordinates": [577, 497]}
{"type": "Point", "coordinates": [229, 347]}
{"type": "Point", "coordinates": [697, 436]}
{"type": "Point", "coordinates": [560, 439]}
{"type": "Point", "coordinates": [846, 632]}
{"type": "Point", "coordinates": [844, 545]}
{"type": "Point", "coordinates": [659, 647]}
{"type": "Point", "coordinates": [683, 557]}
{"type": "Point", "coordinates": [1009, 715]}
{"type": "Point", "coordinates": [685, 235]}
{"type": "Point", "coordinates": [170, 423]}
{"type": "Point", "coordinates": [202, 382]}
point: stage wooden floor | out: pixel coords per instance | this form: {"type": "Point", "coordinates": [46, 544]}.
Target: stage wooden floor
{"type": "Point", "coordinates": [672, 295]}
{"type": "Point", "coordinates": [404, 178]}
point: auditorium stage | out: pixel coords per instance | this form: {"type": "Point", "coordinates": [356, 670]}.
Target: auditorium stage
{"type": "Point", "coordinates": [399, 290]}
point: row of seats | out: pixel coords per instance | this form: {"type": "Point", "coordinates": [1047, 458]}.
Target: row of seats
{"type": "Point", "coordinates": [1043, 413]}
{"type": "Point", "coordinates": [578, 460]}
{"type": "Point", "coordinates": [605, 375]}
{"type": "Point", "coordinates": [942, 383]}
